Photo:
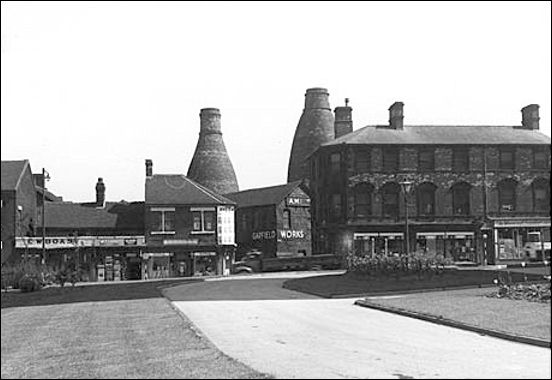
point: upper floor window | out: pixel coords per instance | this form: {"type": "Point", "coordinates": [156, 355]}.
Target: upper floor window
{"type": "Point", "coordinates": [243, 219]}
{"type": "Point", "coordinates": [426, 159]}
{"type": "Point", "coordinates": [363, 200]}
{"type": "Point", "coordinates": [335, 162]}
{"type": "Point", "coordinates": [390, 159]}
{"type": "Point", "coordinates": [362, 160]}
{"type": "Point", "coordinates": [162, 220]}
{"type": "Point", "coordinates": [541, 195]}
{"type": "Point", "coordinates": [507, 158]}
{"type": "Point", "coordinates": [336, 206]}
{"type": "Point", "coordinates": [540, 159]}
{"type": "Point", "coordinates": [287, 219]}
{"type": "Point", "coordinates": [507, 195]}
{"type": "Point", "coordinates": [203, 220]}
{"type": "Point", "coordinates": [426, 199]}
{"type": "Point", "coordinates": [460, 160]}
{"type": "Point", "coordinates": [461, 198]}
{"type": "Point", "coordinates": [390, 199]}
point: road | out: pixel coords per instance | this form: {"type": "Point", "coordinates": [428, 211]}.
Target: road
{"type": "Point", "coordinates": [293, 335]}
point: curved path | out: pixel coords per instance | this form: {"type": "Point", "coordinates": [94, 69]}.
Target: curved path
{"type": "Point", "coordinates": [294, 335]}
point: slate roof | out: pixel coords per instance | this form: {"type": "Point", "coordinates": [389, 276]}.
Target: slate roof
{"type": "Point", "coordinates": [11, 172]}
{"type": "Point", "coordinates": [263, 196]}
{"type": "Point", "coordinates": [177, 189]}
{"type": "Point", "coordinates": [118, 216]}
{"type": "Point", "coordinates": [443, 135]}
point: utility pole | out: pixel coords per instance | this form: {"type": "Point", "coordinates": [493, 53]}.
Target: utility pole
{"type": "Point", "coordinates": [43, 214]}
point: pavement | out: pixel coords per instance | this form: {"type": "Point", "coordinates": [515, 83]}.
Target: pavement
{"type": "Point", "coordinates": [294, 335]}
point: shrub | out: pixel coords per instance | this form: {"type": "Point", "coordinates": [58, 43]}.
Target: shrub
{"type": "Point", "coordinates": [29, 284]}
{"type": "Point", "coordinates": [14, 275]}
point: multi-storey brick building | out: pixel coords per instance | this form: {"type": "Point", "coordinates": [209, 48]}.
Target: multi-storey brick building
{"type": "Point", "coordinates": [360, 181]}
{"type": "Point", "coordinates": [275, 220]}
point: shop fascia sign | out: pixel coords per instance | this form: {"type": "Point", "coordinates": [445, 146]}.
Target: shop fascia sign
{"type": "Point", "coordinates": [299, 202]}
{"type": "Point", "coordinates": [180, 242]}
{"type": "Point", "coordinates": [282, 234]}
{"type": "Point", "coordinates": [60, 242]}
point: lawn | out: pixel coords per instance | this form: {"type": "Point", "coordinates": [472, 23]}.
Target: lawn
{"type": "Point", "coordinates": [472, 307]}
{"type": "Point", "coordinates": [114, 331]}
{"type": "Point", "coordinates": [350, 284]}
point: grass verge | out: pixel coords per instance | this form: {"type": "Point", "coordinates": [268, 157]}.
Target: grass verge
{"type": "Point", "coordinates": [127, 331]}
{"type": "Point", "coordinates": [472, 307]}
{"type": "Point", "coordinates": [350, 284]}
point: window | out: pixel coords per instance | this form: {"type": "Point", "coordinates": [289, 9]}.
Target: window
{"type": "Point", "coordinates": [541, 195]}
{"type": "Point", "coordinates": [243, 218]}
{"type": "Point", "coordinates": [540, 160]}
{"type": "Point", "coordinates": [162, 220]}
{"type": "Point", "coordinates": [507, 158]}
{"type": "Point", "coordinates": [390, 159]}
{"type": "Point", "coordinates": [460, 160]}
{"type": "Point", "coordinates": [287, 219]}
{"type": "Point", "coordinates": [336, 205]}
{"type": "Point", "coordinates": [461, 198]}
{"type": "Point", "coordinates": [362, 160]}
{"type": "Point", "coordinates": [426, 199]}
{"type": "Point", "coordinates": [507, 195]}
{"type": "Point", "coordinates": [363, 200]}
{"type": "Point", "coordinates": [426, 160]}
{"type": "Point", "coordinates": [390, 195]}
{"type": "Point", "coordinates": [203, 220]}
{"type": "Point", "coordinates": [335, 162]}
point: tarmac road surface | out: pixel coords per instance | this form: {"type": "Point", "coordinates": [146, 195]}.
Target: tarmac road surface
{"type": "Point", "coordinates": [292, 335]}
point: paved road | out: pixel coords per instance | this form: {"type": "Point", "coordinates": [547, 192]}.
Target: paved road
{"type": "Point", "coordinates": [293, 335]}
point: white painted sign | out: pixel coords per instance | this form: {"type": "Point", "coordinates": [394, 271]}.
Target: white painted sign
{"type": "Point", "coordinates": [61, 242]}
{"type": "Point", "coordinates": [292, 234]}
{"type": "Point", "coordinates": [225, 225]}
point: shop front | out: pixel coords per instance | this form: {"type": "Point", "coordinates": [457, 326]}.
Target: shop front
{"type": "Point", "coordinates": [456, 246]}
{"type": "Point", "coordinates": [378, 243]}
{"type": "Point", "coordinates": [516, 240]}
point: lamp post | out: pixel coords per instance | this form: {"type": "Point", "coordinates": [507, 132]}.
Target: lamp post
{"type": "Point", "coordinates": [45, 177]}
{"type": "Point", "coordinates": [405, 187]}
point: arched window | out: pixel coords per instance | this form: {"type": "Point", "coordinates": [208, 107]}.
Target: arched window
{"type": "Point", "coordinates": [461, 198]}
{"type": "Point", "coordinates": [507, 195]}
{"type": "Point", "coordinates": [541, 195]}
{"type": "Point", "coordinates": [390, 195]}
{"type": "Point", "coordinates": [363, 199]}
{"type": "Point", "coordinates": [426, 199]}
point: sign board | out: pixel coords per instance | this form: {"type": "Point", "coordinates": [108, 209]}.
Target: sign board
{"type": "Point", "coordinates": [291, 234]}
{"type": "Point", "coordinates": [60, 242]}
{"type": "Point", "coordinates": [263, 235]}
{"type": "Point", "coordinates": [225, 225]}
{"type": "Point", "coordinates": [203, 254]}
{"type": "Point", "coordinates": [298, 202]}
{"type": "Point", "coordinates": [180, 242]}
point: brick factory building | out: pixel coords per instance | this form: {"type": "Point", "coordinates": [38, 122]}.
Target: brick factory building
{"type": "Point", "coordinates": [189, 228]}
{"type": "Point", "coordinates": [360, 180]}
{"type": "Point", "coordinates": [275, 220]}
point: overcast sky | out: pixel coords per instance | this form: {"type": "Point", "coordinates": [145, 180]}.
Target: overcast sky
{"type": "Point", "coordinates": [91, 90]}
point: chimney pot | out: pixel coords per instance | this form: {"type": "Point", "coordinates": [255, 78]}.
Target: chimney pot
{"type": "Point", "coordinates": [149, 168]}
{"type": "Point", "coordinates": [343, 123]}
{"type": "Point", "coordinates": [100, 193]}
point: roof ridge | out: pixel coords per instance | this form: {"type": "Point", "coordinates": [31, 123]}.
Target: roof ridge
{"type": "Point", "coordinates": [25, 165]}
{"type": "Point", "coordinates": [294, 183]}
{"type": "Point", "coordinates": [203, 189]}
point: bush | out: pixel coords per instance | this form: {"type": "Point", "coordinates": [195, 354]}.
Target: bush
{"type": "Point", "coordinates": [419, 264]}
{"type": "Point", "coordinates": [29, 284]}
{"type": "Point", "coordinates": [16, 275]}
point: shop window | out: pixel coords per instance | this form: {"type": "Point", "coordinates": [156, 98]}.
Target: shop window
{"type": "Point", "coordinates": [426, 160]}
{"type": "Point", "coordinates": [507, 156]}
{"type": "Point", "coordinates": [362, 160]}
{"type": "Point", "coordinates": [460, 160]}
{"type": "Point", "coordinates": [541, 195]}
{"type": "Point", "coordinates": [390, 159]}
{"type": "Point", "coordinates": [287, 219]}
{"type": "Point", "coordinates": [335, 162]}
{"type": "Point", "coordinates": [540, 159]}
{"type": "Point", "coordinates": [461, 198]}
{"type": "Point", "coordinates": [390, 195]}
{"type": "Point", "coordinates": [426, 199]}
{"type": "Point", "coordinates": [363, 200]}
{"type": "Point", "coordinates": [507, 195]}
{"type": "Point", "coordinates": [203, 220]}
{"type": "Point", "coordinates": [162, 220]}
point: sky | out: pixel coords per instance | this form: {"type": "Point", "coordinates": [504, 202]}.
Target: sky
{"type": "Point", "coordinates": [93, 89]}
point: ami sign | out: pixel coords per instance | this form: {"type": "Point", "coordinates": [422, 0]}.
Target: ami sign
{"type": "Point", "coordinates": [298, 202]}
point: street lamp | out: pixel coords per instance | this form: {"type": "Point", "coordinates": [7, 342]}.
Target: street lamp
{"type": "Point", "coordinates": [406, 186]}
{"type": "Point", "coordinates": [45, 177]}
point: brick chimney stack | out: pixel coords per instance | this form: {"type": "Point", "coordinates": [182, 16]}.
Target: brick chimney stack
{"type": "Point", "coordinates": [100, 193]}
{"type": "Point", "coordinates": [343, 120]}
{"type": "Point", "coordinates": [530, 117]}
{"type": "Point", "coordinates": [396, 115]}
{"type": "Point", "coordinates": [149, 168]}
